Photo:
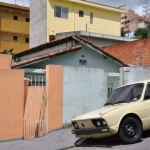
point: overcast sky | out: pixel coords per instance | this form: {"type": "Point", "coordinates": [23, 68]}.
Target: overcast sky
{"type": "Point", "coordinates": [131, 4]}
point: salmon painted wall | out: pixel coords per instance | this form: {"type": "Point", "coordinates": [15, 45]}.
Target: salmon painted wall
{"type": "Point", "coordinates": [11, 104]}
{"type": "Point", "coordinates": [54, 75]}
{"type": "Point", "coordinates": [5, 61]}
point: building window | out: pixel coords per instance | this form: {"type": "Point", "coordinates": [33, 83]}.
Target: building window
{"type": "Point", "coordinates": [125, 17]}
{"type": "Point", "coordinates": [91, 18]}
{"type": "Point", "coordinates": [27, 20]}
{"type": "Point", "coordinates": [81, 13]}
{"type": "Point", "coordinates": [15, 17]}
{"type": "Point", "coordinates": [61, 12]}
{"type": "Point", "coordinates": [27, 40]}
{"type": "Point", "coordinates": [15, 38]}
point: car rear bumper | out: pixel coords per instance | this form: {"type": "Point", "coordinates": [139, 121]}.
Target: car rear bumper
{"type": "Point", "coordinates": [89, 131]}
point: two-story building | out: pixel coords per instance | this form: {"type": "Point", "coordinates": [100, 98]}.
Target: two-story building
{"type": "Point", "coordinates": [14, 27]}
{"type": "Point", "coordinates": [49, 17]}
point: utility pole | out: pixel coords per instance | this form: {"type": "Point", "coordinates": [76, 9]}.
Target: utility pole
{"type": "Point", "coordinates": [146, 10]}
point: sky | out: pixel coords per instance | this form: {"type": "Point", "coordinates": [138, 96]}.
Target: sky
{"type": "Point", "coordinates": [131, 4]}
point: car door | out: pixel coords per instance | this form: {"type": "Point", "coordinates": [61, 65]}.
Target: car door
{"type": "Point", "coordinates": [147, 101]}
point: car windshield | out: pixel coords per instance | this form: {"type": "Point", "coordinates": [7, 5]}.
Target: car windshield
{"type": "Point", "coordinates": [126, 94]}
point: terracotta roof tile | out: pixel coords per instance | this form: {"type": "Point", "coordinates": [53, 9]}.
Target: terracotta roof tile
{"type": "Point", "coordinates": [46, 56]}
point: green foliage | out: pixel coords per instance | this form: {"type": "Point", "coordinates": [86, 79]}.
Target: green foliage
{"type": "Point", "coordinates": [142, 33]}
{"type": "Point", "coordinates": [10, 52]}
{"type": "Point", "coordinates": [122, 32]}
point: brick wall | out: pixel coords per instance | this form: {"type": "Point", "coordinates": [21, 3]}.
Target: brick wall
{"type": "Point", "coordinates": [134, 53]}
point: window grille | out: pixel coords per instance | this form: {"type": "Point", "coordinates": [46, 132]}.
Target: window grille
{"type": "Point", "coordinates": [61, 12]}
{"type": "Point", "coordinates": [91, 18]}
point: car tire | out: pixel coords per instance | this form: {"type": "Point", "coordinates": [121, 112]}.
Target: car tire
{"type": "Point", "coordinates": [130, 130]}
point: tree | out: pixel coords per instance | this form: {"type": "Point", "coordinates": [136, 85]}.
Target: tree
{"type": "Point", "coordinates": [122, 32]}
{"type": "Point", "coordinates": [10, 52]}
{"type": "Point", "coordinates": [142, 33]}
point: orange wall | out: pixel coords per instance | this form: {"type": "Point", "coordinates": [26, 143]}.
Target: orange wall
{"type": "Point", "coordinates": [9, 15]}
{"type": "Point", "coordinates": [17, 46]}
{"type": "Point", "coordinates": [11, 104]}
{"type": "Point", "coordinates": [14, 26]}
{"type": "Point", "coordinates": [5, 61]}
{"type": "Point", "coordinates": [54, 76]}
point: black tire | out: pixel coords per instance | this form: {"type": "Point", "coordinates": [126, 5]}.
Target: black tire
{"type": "Point", "coordinates": [130, 130]}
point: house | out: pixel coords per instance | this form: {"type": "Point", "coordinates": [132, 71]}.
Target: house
{"type": "Point", "coordinates": [57, 16]}
{"type": "Point", "coordinates": [134, 53]}
{"type": "Point", "coordinates": [69, 51]}
{"type": "Point", "coordinates": [14, 27]}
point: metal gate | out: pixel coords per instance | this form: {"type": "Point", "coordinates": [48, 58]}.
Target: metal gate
{"type": "Point", "coordinates": [36, 107]}
{"type": "Point", "coordinates": [113, 80]}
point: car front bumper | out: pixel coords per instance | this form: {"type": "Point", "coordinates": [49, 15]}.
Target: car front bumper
{"type": "Point", "coordinates": [89, 131]}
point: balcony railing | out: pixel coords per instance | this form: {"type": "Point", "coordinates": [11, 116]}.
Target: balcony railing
{"type": "Point", "coordinates": [17, 46]}
{"type": "Point", "coordinates": [14, 26]}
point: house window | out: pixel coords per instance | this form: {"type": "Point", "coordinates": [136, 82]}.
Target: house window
{"type": "Point", "coordinates": [91, 18]}
{"type": "Point", "coordinates": [15, 38]}
{"type": "Point", "coordinates": [27, 20]}
{"type": "Point", "coordinates": [81, 13]}
{"type": "Point", "coordinates": [27, 40]}
{"type": "Point", "coordinates": [61, 12]}
{"type": "Point", "coordinates": [15, 17]}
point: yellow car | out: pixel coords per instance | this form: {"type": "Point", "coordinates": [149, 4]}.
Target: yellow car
{"type": "Point", "coordinates": [126, 114]}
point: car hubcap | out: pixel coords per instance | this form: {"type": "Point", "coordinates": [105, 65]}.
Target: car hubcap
{"type": "Point", "coordinates": [130, 130]}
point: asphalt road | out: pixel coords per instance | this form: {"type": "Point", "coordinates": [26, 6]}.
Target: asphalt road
{"type": "Point", "coordinates": [115, 144]}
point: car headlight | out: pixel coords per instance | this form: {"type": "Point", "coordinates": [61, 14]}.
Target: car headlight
{"type": "Point", "coordinates": [75, 125]}
{"type": "Point", "coordinates": [104, 123]}
{"type": "Point", "coordinates": [99, 123]}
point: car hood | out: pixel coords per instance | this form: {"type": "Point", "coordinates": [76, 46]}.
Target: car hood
{"type": "Point", "coordinates": [100, 112]}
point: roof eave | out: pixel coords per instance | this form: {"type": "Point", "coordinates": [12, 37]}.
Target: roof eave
{"type": "Point", "coordinates": [100, 6]}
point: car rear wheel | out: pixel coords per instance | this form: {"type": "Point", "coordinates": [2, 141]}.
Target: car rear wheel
{"type": "Point", "coordinates": [130, 130]}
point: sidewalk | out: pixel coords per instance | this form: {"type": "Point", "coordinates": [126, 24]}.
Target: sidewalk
{"type": "Point", "coordinates": [56, 140]}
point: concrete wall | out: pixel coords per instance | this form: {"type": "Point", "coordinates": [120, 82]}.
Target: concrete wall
{"type": "Point", "coordinates": [93, 59]}
{"type": "Point", "coordinates": [38, 22]}
{"type": "Point", "coordinates": [133, 74]}
{"type": "Point", "coordinates": [85, 89]}
{"type": "Point", "coordinates": [5, 61]}
{"type": "Point", "coordinates": [73, 91]}
{"type": "Point", "coordinates": [54, 75]}
{"type": "Point", "coordinates": [11, 104]}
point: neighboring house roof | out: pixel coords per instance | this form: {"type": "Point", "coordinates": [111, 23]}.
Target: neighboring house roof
{"type": "Point", "coordinates": [55, 43]}
{"type": "Point", "coordinates": [132, 53]}
{"type": "Point", "coordinates": [13, 7]}
{"type": "Point", "coordinates": [51, 54]}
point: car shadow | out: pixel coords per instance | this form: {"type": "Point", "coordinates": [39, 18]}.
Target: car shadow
{"type": "Point", "coordinates": [107, 142]}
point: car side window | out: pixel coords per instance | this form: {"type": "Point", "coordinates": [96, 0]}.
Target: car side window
{"type": "Point", "coordinates": [147, 92]}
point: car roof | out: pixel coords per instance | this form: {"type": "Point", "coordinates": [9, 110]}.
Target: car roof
{"type": "Point", "coordinates": [142, 81]}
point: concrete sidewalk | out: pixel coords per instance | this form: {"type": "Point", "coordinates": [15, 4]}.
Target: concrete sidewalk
{"type": "Point", "coordinates": [56, 140]}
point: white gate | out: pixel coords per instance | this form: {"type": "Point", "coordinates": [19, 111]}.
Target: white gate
{"type": "Point", "coordinates": [36, 107]}
{"type": "Point", "coordinates": [113, 80]}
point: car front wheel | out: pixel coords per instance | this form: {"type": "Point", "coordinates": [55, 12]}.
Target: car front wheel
{"type": "Point", "coordinates": [130, 130]}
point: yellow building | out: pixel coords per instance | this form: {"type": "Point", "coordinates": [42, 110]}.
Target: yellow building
{"type": "Point", "coordinates": [14, 27]}
{"type": "Point", "coordinates": [56, 16]}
